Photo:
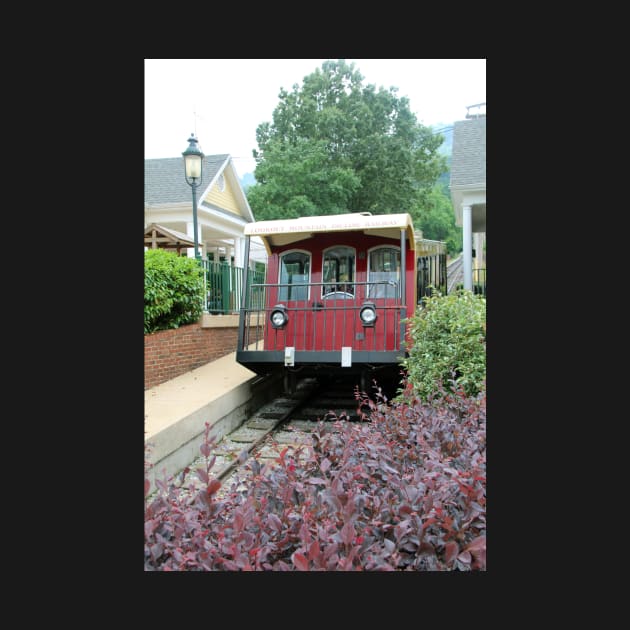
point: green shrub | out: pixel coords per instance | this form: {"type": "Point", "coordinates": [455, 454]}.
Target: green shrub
{"type": "Point", "coordinates": [173, 290]}
{"type": "Point", "coordinates": [448, 342]}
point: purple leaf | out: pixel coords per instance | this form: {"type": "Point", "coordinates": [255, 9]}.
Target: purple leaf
{"type": "Point", "coordinates": [238, 521]}
{"type": "Point", "coordinates": [348, 533]}
{"type": "Point", "coordinates": [450, 551]}
{"type": "Point", "coordinates": [332, 500]}
{"type": "Point", "coordinates": [313, 551]}
{"type": "Point", "coordinates": [332, 562]}
{"type": "Point", "coordinates": [478, 549]}
{"type": "Point", "coordinates": [329, 550]}
{"type": "Point", "coordinates": [274, 522]}
{"type": "Point", "coordinates": [156, 550]}
{"type": "Point", "coordinates": [412, 492]}
{"type": "Point", "coordinates": [388, 468]}
{"type": "Point", "coordinates": [300, 561]}
{"type": "Point", "coordinates": [401, 529]}
{"type": "Point", "coordinates": [477, 544]}
{"type": "Point", "coordinates": [149, 527]}
{"type": "Point", "coordinates": [213, 486]}
{"type": "Point", "coordinates": [202, 474]}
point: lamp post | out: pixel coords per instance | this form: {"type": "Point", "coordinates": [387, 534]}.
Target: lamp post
{"type": "Point", "coordinates": [193, 163]}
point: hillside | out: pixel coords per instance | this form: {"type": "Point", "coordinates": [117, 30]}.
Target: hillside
{"type": "Point", "coordinates": [446, 130]}
{"type": "Point", "coordinates": [247, 180]}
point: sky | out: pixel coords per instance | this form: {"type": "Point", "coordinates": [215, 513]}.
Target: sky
{"type": "Point", "coordinates": [223, 101]}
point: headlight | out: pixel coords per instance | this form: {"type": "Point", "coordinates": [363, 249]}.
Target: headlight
{"type": "Point", "coordinates": [278, 316]}
{"type": "Point", "coordinates": [368, 314]}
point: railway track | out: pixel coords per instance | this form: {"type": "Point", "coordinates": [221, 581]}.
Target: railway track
{"type": "Point", "coordinates": [286, 420]}
{"type": "Point", "coordinates": [454, 273]}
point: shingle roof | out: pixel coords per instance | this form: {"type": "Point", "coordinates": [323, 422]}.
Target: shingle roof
{"type": "Point", "coordinates": [166, 237]}
{"type": "Point", "coordinates": [164, 180]}
{"type": "Point", "coordinates": [468, 161]}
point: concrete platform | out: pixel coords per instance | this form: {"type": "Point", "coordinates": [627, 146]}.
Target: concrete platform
{"type": "Point", "coordinates": [222, 393]}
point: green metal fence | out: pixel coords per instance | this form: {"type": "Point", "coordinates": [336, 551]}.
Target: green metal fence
{"type": "Point", "coordinates": [224, 286]}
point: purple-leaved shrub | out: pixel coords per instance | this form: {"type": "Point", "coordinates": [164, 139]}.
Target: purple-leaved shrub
{"type": "Point", "coordinates": [402, 491]}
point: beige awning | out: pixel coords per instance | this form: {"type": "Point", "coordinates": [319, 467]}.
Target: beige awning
{"type": "Point", "coordinates": [285, 231]}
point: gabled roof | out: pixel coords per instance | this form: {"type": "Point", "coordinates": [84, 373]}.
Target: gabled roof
{"type": "Point", "coordinates": [165, 184]}
{"type": "Point", "coordinates": [164, 180]}
{"type": "Point", "coordinates": [468, 161]}
{"type": "Point", "coordinates": [162, 237]}
{"type": "Point", "coordinates": [468, 171]}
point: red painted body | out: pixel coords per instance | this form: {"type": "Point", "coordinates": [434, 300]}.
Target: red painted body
{"type": "Point", "coordinates": [336, 324]}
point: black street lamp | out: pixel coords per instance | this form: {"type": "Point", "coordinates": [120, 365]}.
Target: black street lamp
{"type": "Point", "coordinates": [193, 162]}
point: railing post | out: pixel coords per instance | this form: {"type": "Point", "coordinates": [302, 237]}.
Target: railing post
{"type": "Point", "coordinates": [225, 286]}
{"type": "Point", "coordinates": [245, 299]}
{"type": "Point", "coordinates": [204, 266]}
{"type": "Point", "coordinates": [403, 286]}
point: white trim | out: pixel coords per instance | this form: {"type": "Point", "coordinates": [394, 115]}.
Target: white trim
{"type": "Point", "coordinates": [281, 255]}
{"type": "Point", "coordinates": [222, 217]}
{"type": "Point", "coordinates": [235, 185]}
{"type": "Point", "coordinates": [212, 182]}
{"type": "Point", "coordinates": [238, 190]}
{"type": "Point", "coordinates": [400, 270]}
{"type": "Point", "coordinates": [354, 266]}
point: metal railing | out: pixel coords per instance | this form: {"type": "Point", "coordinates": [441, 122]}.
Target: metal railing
{"type": "Point", "coordinates": [479, 281]}
{"type": "Point", "coordinates": [324, 322]}
{"type": "Point", "coordinates": [224, 286]}
{"type": "Point", "coordinates": [432, 274]}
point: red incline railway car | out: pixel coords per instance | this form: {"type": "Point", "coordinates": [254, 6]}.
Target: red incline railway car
{"type": "Point", "coordinates": [335, 296]}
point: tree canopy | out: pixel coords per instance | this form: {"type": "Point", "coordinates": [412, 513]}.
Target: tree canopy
{"type": "Point", "coordinates": [337, 146]}
{"type": "Point", "coordinates": [435, 217]}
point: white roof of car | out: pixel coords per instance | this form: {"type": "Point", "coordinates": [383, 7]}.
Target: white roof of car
{"type": "Point", "coordinates": [285, 231]}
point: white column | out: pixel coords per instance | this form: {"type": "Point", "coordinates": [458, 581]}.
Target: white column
{"type": "Point", "coordinates": [190, 231]}
{"type": "Point", "coordinates": [467, 242]}
{"type": "Point", "coordinates": [239, 251]}
{"type": "Point", "coordinates": [479, 250]}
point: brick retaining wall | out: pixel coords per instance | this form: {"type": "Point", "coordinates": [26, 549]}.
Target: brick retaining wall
{"type": "Point", "coordinates": [169, 353]}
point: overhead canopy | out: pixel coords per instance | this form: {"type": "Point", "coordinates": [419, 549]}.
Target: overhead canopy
{"type": "Point", "coordinates": [426, 247]}
{"type": "Point", "coordinates": [157, 236]}
{"type": "Point", "coordinates": [286, 231]}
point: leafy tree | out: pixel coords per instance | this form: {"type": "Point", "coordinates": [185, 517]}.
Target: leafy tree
{"type": "Point", "coordinates": [337, 146]}
{"type": "Point", "coordinates": [435, 217]}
